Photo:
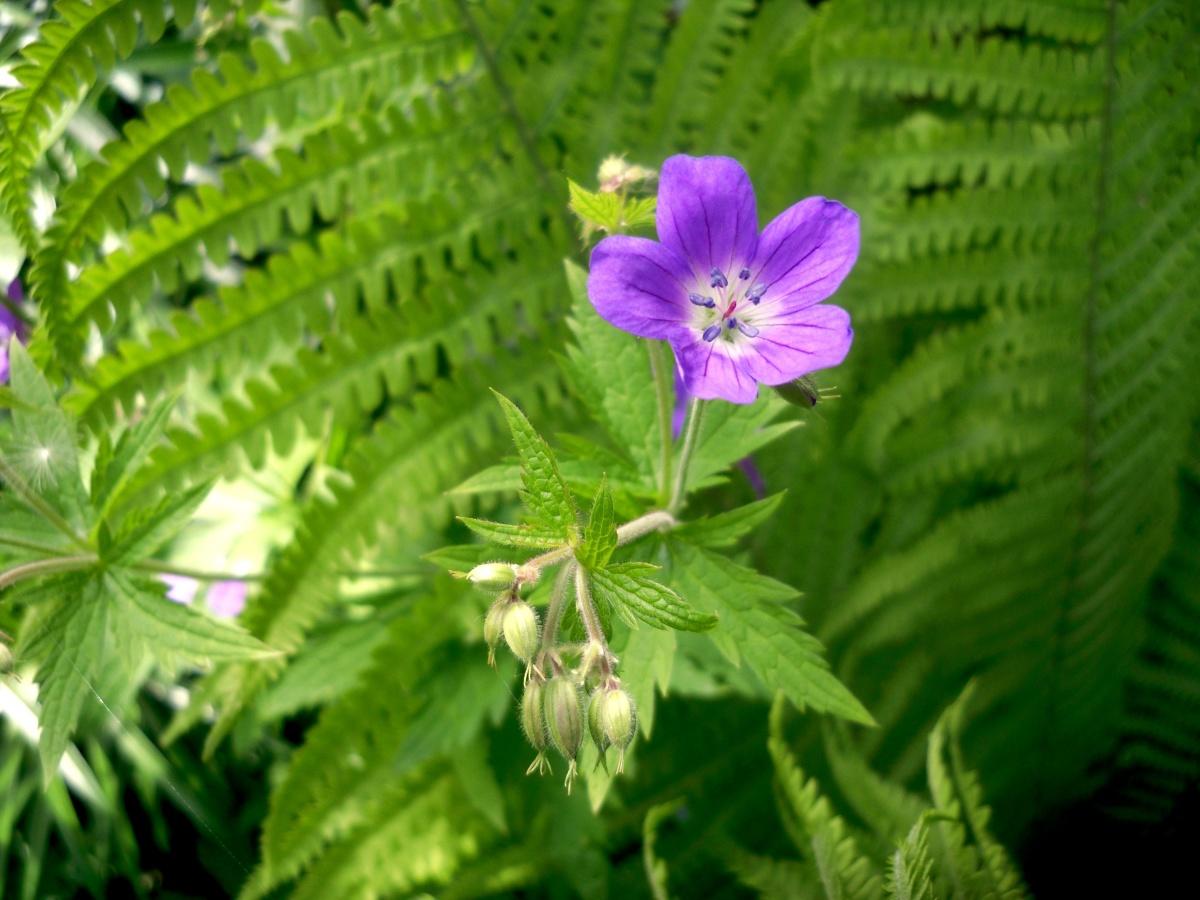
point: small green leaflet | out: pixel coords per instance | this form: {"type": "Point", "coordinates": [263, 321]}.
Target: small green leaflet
{"type": "Point", "coordinates": [147, 529]}
{"type": "Point", "coordinates": [527, 537]}
{"type": "Point", "coordinates": [758, 626]}
{"type": "Point", "coordinates": [600, 536]}
{"type": "Point", "coordinates": [725, 529]}
{"type": "Point", "coordinates": [596, 209]}
{"type": "Point", "coordinates": [546, 493]}
{"type": "Point", "coordinates": [625, 588]}
{"type": "Point", "coordinates": [116, 464]}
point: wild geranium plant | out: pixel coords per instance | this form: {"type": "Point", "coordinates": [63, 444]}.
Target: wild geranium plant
{"type": "Point", "coordinates": [737, 309]}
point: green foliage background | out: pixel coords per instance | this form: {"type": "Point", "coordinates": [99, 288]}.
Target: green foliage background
{"type": "Point", "coordinates": [328, 231]}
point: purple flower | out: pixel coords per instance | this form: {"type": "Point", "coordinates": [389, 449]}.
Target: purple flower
{"type": "Point", "coordinates": [10, 324]}
{"type": "Point", "coordinates": [227, 599]}
{"type": "Point", "coordinates": [739, 308]}
{"type": "Point", "coordinates": [180, 588]}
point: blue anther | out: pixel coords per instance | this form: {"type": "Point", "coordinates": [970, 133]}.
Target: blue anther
{"type": "Point", "coordinates": [711, 333]}
{"type": "Point", "coordinates": [755, 293]}
{"type": "Point", "coordinates": [747, 330]}
{"type": "Point", "coordinates": [733, 322]}
{"type": "Point", "coordinates": [744, 274]}
{"type": "Point", "coordinates": [718, 278]}
{"type": "Point", "coordinates": [697, 300]}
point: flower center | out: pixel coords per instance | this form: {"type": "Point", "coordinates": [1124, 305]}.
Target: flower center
{"type": "Point", "coordinates": [714, 306]}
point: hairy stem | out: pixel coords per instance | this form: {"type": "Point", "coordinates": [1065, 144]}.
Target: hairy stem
{"type": "Point", "coordinates": [46, 567]}
{"type": "Point", "coordinates": [44, 509]}
{"type": "Point", "coordinates": [591, 620]}
{"type": "Point", "coordinates": [643, 525]}
{"type": "Point", "coordinates": [662, 392]}
{"type": "Point", "coordinates": [554, 611]}
{"type": "Point", "coordinates": [691, 432]}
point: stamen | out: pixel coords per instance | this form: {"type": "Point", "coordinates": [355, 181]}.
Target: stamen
{"type": "Point", "coordinates": [697, 300]}
{"type": "Point", "coordinates": [744, 274]}
{"type": "Point", "coordinates": [747, 330]}
{"type": "Point", "coordinates": [733, 322]}
{"type": "Point", "coordinates": [756, 293]}
{"type": "Point", "coordinates": [718, 278]}
{"type": "Point", "coordinates": [711, 333]}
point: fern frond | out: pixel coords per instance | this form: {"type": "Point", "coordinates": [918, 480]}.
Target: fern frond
{"type": "Point", "coordinates": [818, 832]}
{"type": "Point", "coordinates": [412, 45]}
{"type": "Point", "coordinates": [350, 165]}
{"type": "Point", "coordinates": [57, 70]}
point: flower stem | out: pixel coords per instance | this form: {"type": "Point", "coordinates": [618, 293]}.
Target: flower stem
{"type": "Point", "coordinates": [643, 525]}
{"type": "Point", "coordinates": [691, 432]}
{"type": "Point", "coordinates": [46, 567]}
{"type": "Point", "coordinates": [554, 610]}
{"type": "Point", "coordinates": [166, 568]}
{"type": "Point", "coordinates": [662, 392]}
{"type": "Point", "coordinates": [44, 509]}
{"type": "Point", "coordinates": [591, 620]}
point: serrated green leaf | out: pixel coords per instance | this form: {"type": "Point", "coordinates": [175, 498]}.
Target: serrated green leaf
{"type": "Point", "coordinates": [147, 529]}
{"type": "Point", "coordinates": [600, 535]}
{"type": "Point", "coordinates": [596, 209]}
{"type": "Point", "coordinates": [169, 629]}
{"type": "Point", "coordinates": [724, 529]}
{"type": "Point", "coordinates": [758, 626]}
{"type": "Point", "coordinates": [610, 370]}
{"type": "Point", "coordinates": [521, 536]}
{"type": "Point", "coordinates": [41, 446]}
{"type": "Point", "coordinates": [639, 212]}
{"type": "Point", "coordinates": [74, 643]}
{"type": "Point", "coordinates": [546, 493]}
{"type": "Point", "coordinates": [623, 587]}
{"type": "Point", "coordinates": [117, 464]}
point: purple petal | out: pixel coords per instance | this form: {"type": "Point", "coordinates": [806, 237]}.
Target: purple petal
{"type": "Point", "coordinates": [180, 588]}
{"type": "Point", "coordinates": [805, 252]}
{"type": "Point", "coordinates": [227, 599]}
{"type": "Point", "coordinates": [796, 342]}
{"type": "Point", "coordinates": [711, 374]}
{"type": "Point", "coordinates": [707, 213]}
{"type": "Point", "coordinates": [639, 286]}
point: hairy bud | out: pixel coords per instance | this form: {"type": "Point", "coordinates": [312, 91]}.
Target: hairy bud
{"type": "Point", "coordinates": [596, 728]}
{"type": "Point", "coordinates": [493, 576]}
{"type": "Point", "coordinates": [617, 719]}
{"type": "Point", "coordinates": [520, 627]}
{"type": "Point", "coordinates": [564, 720]}
{"type": "Point", "coordinates": [493, 628]}
{"type": "Point", "coordinates": [533, 723]}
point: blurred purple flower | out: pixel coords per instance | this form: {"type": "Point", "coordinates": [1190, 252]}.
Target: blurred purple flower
{"type": "Point", "coordinates": [180, 588]}
{"type": "Point", "coordinates": [227, 599]}
{"type": "Point", "coordinates": [737, 307]}
{"type": "Point", "coordinates": [10, 324]}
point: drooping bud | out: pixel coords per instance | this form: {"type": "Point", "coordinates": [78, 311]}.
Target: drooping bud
{"type": "Point", "coordinates": [491, 577]}
{"type": "Point", "coordinates": [618, 720]}
{"type": "Point", "coordinates": [564, 721]}
{"type": "Point", "coordinates": [802, 391]}
{"type": "Point", "coordinates": [596, 729]}
{"type": "Point", "coordinates": [493, 628]}
{"type": "Point", "coordinates": [533, 723]}
{"type": "Point", "coordinates": [520, 628]}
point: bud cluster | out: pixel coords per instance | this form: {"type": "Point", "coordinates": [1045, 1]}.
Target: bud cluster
{"type": "Point", "coordinates": [570, 690]}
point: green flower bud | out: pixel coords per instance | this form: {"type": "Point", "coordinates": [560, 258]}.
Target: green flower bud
{"type": "Point", "coordinates": [493, 628]}
{"type": "Point", "coordinates": [491, 577]}
{"type": "Point", "coordinates": [533, 723]}
{"type": "Point", "coordinates": [520, 627]}
{"type": "Point", "coordinates": [596, 729]}
{"type": "Point", "coordinates": [618, 720]}
{"type": "Point", "coordinates": [564, 721]}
